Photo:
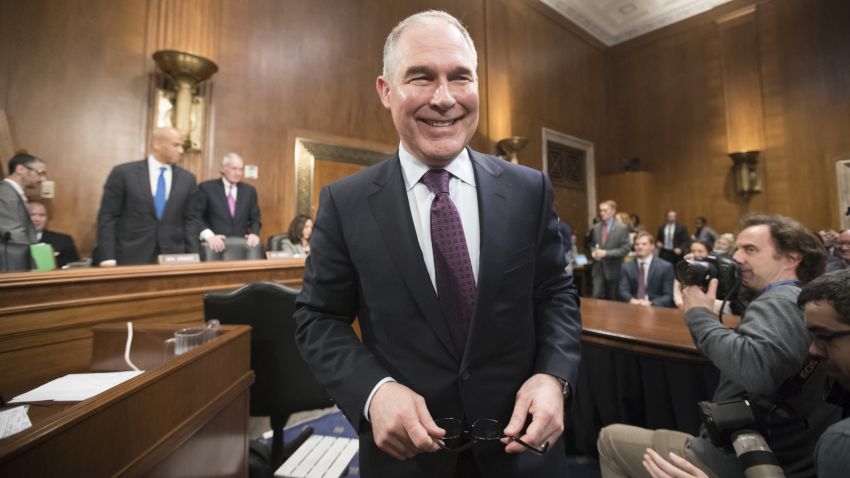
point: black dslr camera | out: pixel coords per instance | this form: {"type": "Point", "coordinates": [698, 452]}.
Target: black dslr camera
{"type": "Point", "coordinates": [700, 272]}
{"type": "Point", "coordinates": [723, 419]}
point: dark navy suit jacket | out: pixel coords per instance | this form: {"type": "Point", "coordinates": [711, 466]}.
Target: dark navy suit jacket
{"type": "Point", "coordinates": [213, 213]}
{"type": "Point", "coordinates": [659, 282]}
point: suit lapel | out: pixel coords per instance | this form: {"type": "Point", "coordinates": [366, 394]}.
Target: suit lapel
{"type": "Point", "coordinates": [493, 203]}
{"type": "Point", "coordinates": [144, 180]}
{"type": "Point", "coordinates": [391, 211]}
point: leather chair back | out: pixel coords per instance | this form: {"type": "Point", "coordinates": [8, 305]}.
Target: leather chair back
{"type": "Point", "coordinates": [235, 249]}
{"type": "Point", "coordinates": [274, 241]}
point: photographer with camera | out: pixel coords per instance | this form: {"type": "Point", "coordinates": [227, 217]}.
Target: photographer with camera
{"type": "Point", "coordinates": [776, 255]}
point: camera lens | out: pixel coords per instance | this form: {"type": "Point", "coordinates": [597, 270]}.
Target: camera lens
{"type": "Point", "coordinates": [696, 273]}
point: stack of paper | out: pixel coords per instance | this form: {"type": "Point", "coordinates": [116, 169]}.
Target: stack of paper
{"type": "Point", "coordinates": [75, 387]}
{"type": "Point", "coordinates": [320, 456]}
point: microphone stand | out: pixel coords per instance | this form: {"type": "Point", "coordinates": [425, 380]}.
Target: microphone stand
{"type": "Point", "coordinates": [7, 236]}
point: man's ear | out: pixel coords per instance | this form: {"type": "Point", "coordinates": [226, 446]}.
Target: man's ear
{"type": "Point", "coordinates": [792, 259]}
{"type": "Point", "coordinates": [383, 91]}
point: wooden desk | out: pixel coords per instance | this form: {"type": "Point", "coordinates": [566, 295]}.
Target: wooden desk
{"type": "Point", "coordinates": [640, 367]}
{"type": "Point", "coordinates": [185, 417]}
{"type": "Point", "coordinates": [46, 317]}
{"type": "Point", "coordinates": [655, 331]}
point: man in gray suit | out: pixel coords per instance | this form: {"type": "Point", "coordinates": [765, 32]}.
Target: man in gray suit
{"type": "Point", "coordinates": [610, 246]}
{"type": "Point", "coordinates": [25, 171]}
{"type": "Point", "coordinates": [144, 210]}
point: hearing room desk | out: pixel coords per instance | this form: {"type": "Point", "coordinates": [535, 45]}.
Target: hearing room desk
{"type": "Point", "coordinates": [639, 366]}
{"type": "Point", "coordinates": [46, 318]}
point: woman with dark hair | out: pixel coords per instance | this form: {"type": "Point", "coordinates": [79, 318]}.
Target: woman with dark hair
{"type": "Point", "coordinates": [298, 243]}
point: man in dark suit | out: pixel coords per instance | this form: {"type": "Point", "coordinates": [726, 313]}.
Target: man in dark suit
{"type": "Point", "coordinates": [610, 245]}
{"type": "Point", "coordinates": [672, 238]}
{"type": "Point", "coordinates": [452, 263]}
{"type": "Point", "coordinates": [145, 209]}
{"type": "Point", "coordinates": [62, 244]}
{"type": "Point", "coordinates": [226, 207]}
{"type": "Point", "coordinates": [25, 172]}
{"type": "Point", "coordinates": [647, 280]}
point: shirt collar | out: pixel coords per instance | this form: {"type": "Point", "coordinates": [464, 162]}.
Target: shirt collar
{"type": "Point", "coordinates": [646, 260]}
{"type": "Point", "coordinates": [413, 169]}
{"type": "Point", "coordinates": [227, 184]}
{"type": "Point", "coordinates": [154, 164]}
{"type": "Point", "coordinates": [17, 187]}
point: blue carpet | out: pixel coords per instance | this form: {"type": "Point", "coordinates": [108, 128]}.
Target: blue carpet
{"type": "Point", "coordinates": [335, 424]}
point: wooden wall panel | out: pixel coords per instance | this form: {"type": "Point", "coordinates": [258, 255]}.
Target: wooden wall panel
{"type": "Point", "coordinates": [669, 109]}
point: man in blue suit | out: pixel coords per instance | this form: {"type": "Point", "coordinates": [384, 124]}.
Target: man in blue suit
{"type": "Point", "coordinates": [646, 280]}
{"type": "Point", "coordinates": [452, 263]}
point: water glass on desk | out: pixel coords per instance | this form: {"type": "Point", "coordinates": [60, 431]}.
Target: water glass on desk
{"type": "Point", "coordinates": [186, 339]}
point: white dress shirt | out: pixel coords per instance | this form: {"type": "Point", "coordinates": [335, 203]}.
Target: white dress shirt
{"type": "Point", "coordinates": [419, 198]}
{"type": "Point", "coordinates": [646, 262]}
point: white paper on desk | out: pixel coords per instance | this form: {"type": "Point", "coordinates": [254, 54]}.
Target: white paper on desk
{"type": "Point", "coordinates": [14, 420]}
{"type": "Point", "coordinates": [75, 387]}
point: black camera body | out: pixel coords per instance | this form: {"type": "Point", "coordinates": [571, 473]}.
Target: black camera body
{"type": "Point", "coordinates": [723, 419]}
{"type": "Point", "coordinates": [699, 272]}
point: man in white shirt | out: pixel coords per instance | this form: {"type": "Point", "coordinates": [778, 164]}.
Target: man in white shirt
{"type": "Point", "coordinates": [227, 207]}
{"type": "Point", "coordinates": [452, 262]}
{"type": "Point", "coordinates": [25, 172]}
{"type": "Point", "coordinates": [145, 209]}
{"type": "Point", "coordinates": [647, 280]}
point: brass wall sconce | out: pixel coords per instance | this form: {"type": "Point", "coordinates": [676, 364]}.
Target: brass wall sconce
{"type": "Point", "coordinates": [746, 174]}
{"type": "Point", "coordinates": [185, 71]}
{"type": "Point", "coordinates": [509, 148]}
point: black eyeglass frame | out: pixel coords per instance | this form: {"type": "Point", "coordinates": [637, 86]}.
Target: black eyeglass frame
{"type": "Point", "coordinates": [466, 430]}
{"type": "Point", "coordinates": [823, 339]}
{"type": "Point", "coordinates": [42, 174]}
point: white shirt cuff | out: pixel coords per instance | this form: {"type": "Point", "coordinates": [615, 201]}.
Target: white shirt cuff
{"type": "Point", "coordinates": [206, 234]}
{"type": "Point", "coordinates": [369, 399]}
{"type": "Point", "coordinates": [109, 262]}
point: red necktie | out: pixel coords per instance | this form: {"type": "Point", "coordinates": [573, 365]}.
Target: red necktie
{"type": "Point", "coordinates": [604, 233]}
{"type": "Point", "coordinates": [453, 270]}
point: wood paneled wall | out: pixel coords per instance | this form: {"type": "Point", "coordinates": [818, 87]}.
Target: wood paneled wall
{"type": "Point", "coordinates": [774, 79]}
{"type": "Point", "coordinates": [75, 79]}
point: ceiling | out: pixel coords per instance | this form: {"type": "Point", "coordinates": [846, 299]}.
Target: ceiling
{"type": "Point", "coordinates": [615, 21]}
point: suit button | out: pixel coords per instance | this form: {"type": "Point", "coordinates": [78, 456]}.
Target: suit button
{"type": "Point", "coordinates": [465, 376]}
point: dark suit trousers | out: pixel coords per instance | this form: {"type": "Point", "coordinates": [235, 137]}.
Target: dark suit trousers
{"type": "Point", "coordinates": [605, 289]}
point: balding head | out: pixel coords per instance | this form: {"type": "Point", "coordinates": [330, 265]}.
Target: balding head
{"type": "Point", "coordinates": [167, 145]}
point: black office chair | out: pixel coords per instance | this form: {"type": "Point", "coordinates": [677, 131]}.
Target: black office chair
{"type": "Point", "coordinates": [283, 384]}
{"type": "Point", "coordinates": [235, 249]}
{"type": "Point", "coordinates": [15, 257]}
{"type": "Point", "coordinates": [273, 244]}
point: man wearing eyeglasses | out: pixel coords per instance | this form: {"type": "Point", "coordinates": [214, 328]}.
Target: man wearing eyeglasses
{"type": "Point", "coordinates": [25, 172]}
{"type": "Point", "coordinates": [841, 259]}
{"type": "Point", "coordinates": [452, 263]}
{"type": "Point", "coordinates": [776, 256]}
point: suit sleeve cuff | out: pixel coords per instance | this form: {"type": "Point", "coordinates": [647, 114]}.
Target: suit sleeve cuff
{"type": "Point", "coordinates": [372, 394]}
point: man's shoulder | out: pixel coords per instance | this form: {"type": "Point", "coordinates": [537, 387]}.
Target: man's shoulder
{"type": "Point", "coordinates": [380, 173]}
{"type": "Point", "coordinates": [662, 264]}
{"type": "Point", "coordinates": [130, 165]}
{"type": "Point", "coordinates": [59, 236]}
{"type": "Point", "coordinates": [210, 184]}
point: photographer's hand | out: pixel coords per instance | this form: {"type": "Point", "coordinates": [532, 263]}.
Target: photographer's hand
{"type": "Point", "coordinates": [693, 296]}
{"type": "Point", "coordinates": [677, 467]}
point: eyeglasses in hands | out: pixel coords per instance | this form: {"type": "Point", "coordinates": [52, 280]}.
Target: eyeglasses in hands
{"type": "Point", "coordinates": [460, 436]}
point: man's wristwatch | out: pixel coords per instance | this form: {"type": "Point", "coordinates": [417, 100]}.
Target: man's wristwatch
{"type": "Point", "coordinates": [565, 387]}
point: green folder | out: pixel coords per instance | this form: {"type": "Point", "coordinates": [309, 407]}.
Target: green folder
{"type": "Point", "coordinates": [42, 255]}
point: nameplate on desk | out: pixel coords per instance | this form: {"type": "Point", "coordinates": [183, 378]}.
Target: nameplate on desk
{"type": "Point", "coordinates": [281, 255]}
{"type": "Point", "coordinates": [170, 259]}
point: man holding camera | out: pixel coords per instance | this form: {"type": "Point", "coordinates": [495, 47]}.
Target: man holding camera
{"type": "Point", "coordinates": [776, 256]}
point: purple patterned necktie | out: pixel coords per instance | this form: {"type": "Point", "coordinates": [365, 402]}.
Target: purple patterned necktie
{"type": "Point", "coordinates": [455, 282]}
{"type": "Point", "coordinates": [641, 292]}
{"type": "Point", "coordinates": [231, 202]}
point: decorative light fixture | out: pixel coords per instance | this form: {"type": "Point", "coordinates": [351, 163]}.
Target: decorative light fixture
{"type": "Point", "coordinates": [509, 148]}
{"type": "Point", "coordinates": [745, 169]}
{"type": "Point", "coordinates": [186, 71]}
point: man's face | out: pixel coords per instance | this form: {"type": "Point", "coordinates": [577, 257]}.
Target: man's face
{"type": "Point", "coordinates": [699, 223]}
{"type": "Point", "coordinates": [32, 174]}
{"type": "Point", "coordinates": [233, 171]}
{"type": "Point", "coordinates": [758, 259]}
{"type": "Point", "coordinates": [433, 92]}
{"type": "Point", "coordinates": [168, 148]}
{"type": "Point", "coordinates": [643, 247]}
{"type": "Point", "coordinates": [821, 318]}
{"type": "Point", "coordinates": [38, 215]}
{"type": "Point", "coordinates": [606, 212]}
{"type": "Point", "coordinates": [671, 217]}
{"type": "Point", "coordinates": [842, 245]}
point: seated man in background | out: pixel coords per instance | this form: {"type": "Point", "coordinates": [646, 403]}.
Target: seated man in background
{"type": "Point", "coordinates": [841, 259]}
{"type": "Point", "coordinates": [646, 280]}
{"type": "Point", "coordinates": [63, 244]}
{"type": "Point", "coordinates": [776, 255]}
{"type": "Point", "coordinates": [826, 301]}
{"type": "Point", "coordinates": [227, 207]}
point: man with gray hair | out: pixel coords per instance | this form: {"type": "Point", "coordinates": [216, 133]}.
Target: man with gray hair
{"type": "Point", "coordinates": [227, 207]}
{"type": "Point", "coordinates": [452, 263]}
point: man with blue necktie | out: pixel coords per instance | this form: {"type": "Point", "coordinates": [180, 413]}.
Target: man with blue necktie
{"type": "Point", "coordinates": [144, 210]}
